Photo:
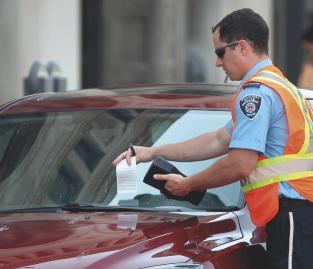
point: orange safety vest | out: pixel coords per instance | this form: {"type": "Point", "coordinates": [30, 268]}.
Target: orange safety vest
{"type": "Point", "coordinates": [295, 165]}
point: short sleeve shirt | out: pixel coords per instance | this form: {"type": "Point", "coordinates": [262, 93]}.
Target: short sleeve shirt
{"type": "Point", "coordinates": [260, 123]}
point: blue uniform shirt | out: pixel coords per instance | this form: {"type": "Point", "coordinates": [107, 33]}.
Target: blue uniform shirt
{"type": "Point", "coordinates": [261, 123]}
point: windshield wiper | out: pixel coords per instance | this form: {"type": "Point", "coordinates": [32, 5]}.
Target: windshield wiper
{"type": "Point", "coordinates": [197, 209]}
{"type": "Point", "coordinates": [43, 209]}
{"type": "Point", "coordinates": [224, 209]}
{"type": "Point", "coordinates": [84, 207]}
{"type": "Point", "coordinates": [92, 207]}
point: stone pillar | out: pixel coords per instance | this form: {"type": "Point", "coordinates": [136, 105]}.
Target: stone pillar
{"type": "Point", "coordinates": [144, 41]}
{"type": "Point", "coordinates": [169, 41]}
{"type": "Point", "coordinates": [199, 41]}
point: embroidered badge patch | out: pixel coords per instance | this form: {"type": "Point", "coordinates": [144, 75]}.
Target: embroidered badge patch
{"type": "Point", "coordinates": [250, 105]}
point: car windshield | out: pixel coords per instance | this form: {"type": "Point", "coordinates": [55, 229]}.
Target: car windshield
{"type": "Point", "coordinates": [56, 158]}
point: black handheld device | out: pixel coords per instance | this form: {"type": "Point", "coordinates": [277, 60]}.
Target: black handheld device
{"type": "Point", "coordinates": [162, 166]}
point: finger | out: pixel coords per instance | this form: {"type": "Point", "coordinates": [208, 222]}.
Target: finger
{"type": "Point", "coordinates": [128, 157]}
{"type": "Point", "coordinates": [119, 158]}
{"type": "Point", "coordinates": [160, 177]}
{"type": "Point", "coordinates": [132, 149]}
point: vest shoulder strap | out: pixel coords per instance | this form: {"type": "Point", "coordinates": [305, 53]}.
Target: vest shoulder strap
{"type": "Point", "coordinates": [252, 85]}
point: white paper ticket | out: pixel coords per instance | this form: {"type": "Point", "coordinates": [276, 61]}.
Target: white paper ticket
{"type": "Point", "coordinates": [126, 176]}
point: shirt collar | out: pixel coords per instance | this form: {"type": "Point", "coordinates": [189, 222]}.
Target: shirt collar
{"type": "Point", "coordinates": [256, 68]}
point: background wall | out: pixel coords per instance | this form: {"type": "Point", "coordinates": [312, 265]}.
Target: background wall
{"type": "Point", "coordinates": [155, 41]}
{"type": "Point", "coordinates": [104, 42]}
{"type": "Point", "coordinates": [42, 30]}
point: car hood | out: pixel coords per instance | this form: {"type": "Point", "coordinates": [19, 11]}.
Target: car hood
{"type": "Point", "coordinates": [110, 240]}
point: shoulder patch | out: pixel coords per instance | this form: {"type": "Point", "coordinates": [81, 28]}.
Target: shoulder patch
{"type": "Point", "coordinates": [250, 105]}
{"type": "Point", "coordinates": [252, 85]}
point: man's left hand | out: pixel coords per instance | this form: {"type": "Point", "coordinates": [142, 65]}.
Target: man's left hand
{"type": "Point", "coordinates": [176, 184]}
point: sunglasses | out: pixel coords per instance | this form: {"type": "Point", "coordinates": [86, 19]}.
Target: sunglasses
{"type": "Point", "coordinates": [221, 51]}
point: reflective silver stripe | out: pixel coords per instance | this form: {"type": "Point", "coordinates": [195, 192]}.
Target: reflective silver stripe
{"type": "Point", "coordinates": [291, 235]}
{"type": "Point", "coordinates": [289, 86]}
{"type": "Point", "coordinates": [310, 148]}
{"type": "Point", "coordinates": [271, 75]}
{"type": "Point", "coordinates": [292, 88]}
{"type": "Point", "coordinates": [286, 83]}
{"type": "Point", "coordinates": [280, 169]}
{"type": "Point", "coordinates": [308, 116]}
{"type": "Point", "coordinates": [296, 94]}
{"type": "Point", "coordinates": [294, 166]}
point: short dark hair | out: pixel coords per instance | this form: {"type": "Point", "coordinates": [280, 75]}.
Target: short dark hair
{"type": "Point", "coordinates": [244, 24]}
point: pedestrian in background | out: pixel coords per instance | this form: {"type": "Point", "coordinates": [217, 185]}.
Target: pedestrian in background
{"type": "Point", "coordinates": [306, 76]}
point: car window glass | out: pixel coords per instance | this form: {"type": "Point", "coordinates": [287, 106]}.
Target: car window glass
{"type": "Point", "coordinates": [65, 157]}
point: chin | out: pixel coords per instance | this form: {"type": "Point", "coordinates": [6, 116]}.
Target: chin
{"type": "Point", "coordinates": [231, 77]}
{"type": "Point", "coordinates": [234, 77]}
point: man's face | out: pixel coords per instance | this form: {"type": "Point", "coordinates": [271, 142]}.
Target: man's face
{"type": "Point", "coordinates": [230, 61]}
{"type": "Point", "coordinates": [308, 47]}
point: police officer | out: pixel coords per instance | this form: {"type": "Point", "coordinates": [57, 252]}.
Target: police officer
{"type": "Point", "coordinates": [268, 143]}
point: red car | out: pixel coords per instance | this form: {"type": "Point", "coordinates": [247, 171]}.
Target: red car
{"type": "Point", "coordinates": [59, 202]}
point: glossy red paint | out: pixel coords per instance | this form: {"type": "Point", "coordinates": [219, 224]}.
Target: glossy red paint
{"type": "Point", "coordinates": [97, 240]}
{"type": "Point", "coordinates": [94, 240]}
{"type": "Point", "coordinates": [96, 99]}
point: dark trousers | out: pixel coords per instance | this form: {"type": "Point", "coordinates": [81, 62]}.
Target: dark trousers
{"type": "Point", "coordinates": [290, 236]}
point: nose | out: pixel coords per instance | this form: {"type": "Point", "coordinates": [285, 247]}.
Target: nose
{"type": "Point", "coordinates": [218, 62]}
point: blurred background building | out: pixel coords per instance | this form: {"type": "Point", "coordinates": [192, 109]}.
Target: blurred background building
{"type": "Point", "coordinates": [98, 43]}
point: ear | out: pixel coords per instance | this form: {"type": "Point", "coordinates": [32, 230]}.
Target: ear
{"type": "Point", "coordinates": [244, 47]}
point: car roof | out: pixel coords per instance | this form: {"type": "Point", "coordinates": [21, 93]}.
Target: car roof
{"type": "Point", "coordinates": [308, 94]}
{"type": "Point", "coordinates": [175, 96]}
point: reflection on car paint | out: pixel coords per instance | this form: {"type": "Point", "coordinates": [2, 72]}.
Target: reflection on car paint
{"type": "Point", "coordinates": [62, 155]}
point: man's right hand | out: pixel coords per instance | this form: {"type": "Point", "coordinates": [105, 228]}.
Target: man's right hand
{"type": "Point", "coordinates": [143, 154]}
